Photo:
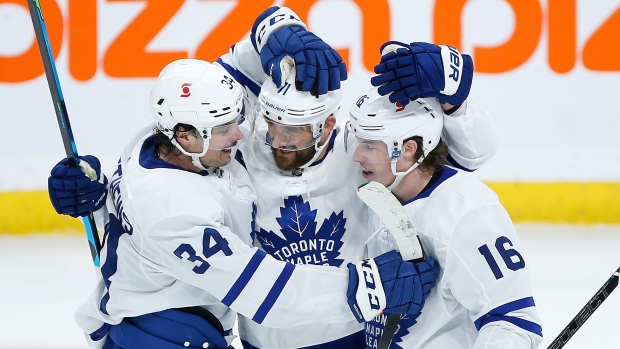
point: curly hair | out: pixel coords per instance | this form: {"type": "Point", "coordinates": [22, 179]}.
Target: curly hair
{"type": "Point", "coordinates": [163, 143]}
{"type": "Point", "coordinates": [435, 160]}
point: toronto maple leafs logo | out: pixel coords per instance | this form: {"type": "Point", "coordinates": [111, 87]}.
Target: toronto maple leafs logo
{"type": "Point", "coordinates": [374, 329]}
{"type": "Point", "coordinates": [303, 243]}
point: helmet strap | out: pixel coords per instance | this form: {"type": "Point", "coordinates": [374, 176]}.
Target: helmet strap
{"type": "Point", "coordinates": [194, 156]}
{"type": "Point", "coordinates": [401, 175]}
{"type": "Point", "coordinates": [318, 150]}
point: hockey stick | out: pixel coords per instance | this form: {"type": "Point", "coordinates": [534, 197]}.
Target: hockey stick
{"type": "Point", "coordinates": [61, 114]}
{"type": "Point", "coordinates": [393, 216]}
{"type": "Point", "coordinates": [586, 311]}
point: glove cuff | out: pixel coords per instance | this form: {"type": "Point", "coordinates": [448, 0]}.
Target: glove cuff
{"type": "Point", "coordinates": [458, 75]}
{"type": "Point", "coordinates": [370, 296]}
{"type": "Point", "coordinates": [283, 16]}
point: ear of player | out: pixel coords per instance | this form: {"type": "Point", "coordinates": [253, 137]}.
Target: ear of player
{"type": "Point", "coordinates": [419, 70]}
{"type": "Point", "coordinates": [390, 285]}
{"type": "Point", "coordinates": [278, 33]}
{"type": "Point", "coordinates": [77, 191]}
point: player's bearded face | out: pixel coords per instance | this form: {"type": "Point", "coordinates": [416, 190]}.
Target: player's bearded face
{"type": "Point", "coordinates": [293, 159]}
{"type": "Point", "coordinates": [292, 146]}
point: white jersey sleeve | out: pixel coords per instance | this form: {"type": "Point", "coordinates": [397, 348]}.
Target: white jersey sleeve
{"type": "Point", "coordinates": [243, 63]}
{"type": "Point", "coordinates": [471, 136]}
{"type": "Point", "coordinates": [207, 255]}
{"type": "Point", "coordinates": [486, 273]}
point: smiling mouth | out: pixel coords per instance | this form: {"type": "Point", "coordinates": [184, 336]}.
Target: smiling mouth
{"type": "Point", "coordinates": [286, 151]}
{"type": "Point", "coordinates": [366, 172]}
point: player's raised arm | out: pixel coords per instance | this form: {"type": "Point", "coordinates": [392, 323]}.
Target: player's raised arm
{"type": "Point", "coordinates": [423, 70]}
{"type": "Point", "coordinates": [281, 38]}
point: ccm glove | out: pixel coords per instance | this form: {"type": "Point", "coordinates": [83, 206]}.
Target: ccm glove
{"type": "Point", "coordinates": [389, 284]}
{"type": "Point", "coordinates": [281, 39]}
{"type": "Point", "coordinates": [77, 191]}
{"type": "Point", "coordinates": [419, 70]}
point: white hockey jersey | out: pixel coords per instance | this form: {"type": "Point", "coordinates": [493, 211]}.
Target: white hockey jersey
{"type": "Point", "coordinates": [315, 217]}
{"type": "Point", "coordinates": [312, 218]}
{"type": "Point", "coordinates": [177, 238]}
{"type": "Point", "coordinates": [483, 297]}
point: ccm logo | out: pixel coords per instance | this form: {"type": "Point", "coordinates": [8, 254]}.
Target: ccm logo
{"type": "Point", "coordinates": [371, 286]}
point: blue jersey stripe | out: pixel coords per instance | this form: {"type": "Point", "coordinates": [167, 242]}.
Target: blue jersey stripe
{"type": "Point", "coordinates": [275, 292]}
{"type": "Point", "coordinates": [244, 278]}
{"type": "Point", "coordinates": [499, 314]}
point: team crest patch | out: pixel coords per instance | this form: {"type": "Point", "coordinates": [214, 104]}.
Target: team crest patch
{"type": "Point", "coordinates": [374, 329]}
{"type": "Point", "coordinates": [303, 243]}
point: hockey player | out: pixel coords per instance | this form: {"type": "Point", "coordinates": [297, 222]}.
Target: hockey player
{"type": "Point", "coordinates": [483, 297]}
{"type": "Point", "coordinates": [177, 263]}
{"type": "Point", "coordinates": [308, 210]}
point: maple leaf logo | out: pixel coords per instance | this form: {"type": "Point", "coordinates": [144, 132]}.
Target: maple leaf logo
{"type": "Point", "coordinates": [374, 329]}
{"type": "Point", "coordinates": [302, 243]}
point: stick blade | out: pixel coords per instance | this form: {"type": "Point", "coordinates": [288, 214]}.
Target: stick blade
{"type": "Point", "coordinates": [392, 214]}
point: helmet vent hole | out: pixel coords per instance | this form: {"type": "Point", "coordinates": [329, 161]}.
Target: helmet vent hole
{"type": "Point", "coordinates": [372, 115]}
{"type": "Point", "coordinates": [159, 113]}
{"type": "Point", "coordinates": [205, 103]}
{"type": "Point", "coordinates": [226, 108]}
{"type": "Point", "coordinates": [279, 118]}
{"type": "Point", "coordinates": [160, 101]}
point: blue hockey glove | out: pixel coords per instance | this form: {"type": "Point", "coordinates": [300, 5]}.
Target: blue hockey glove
{"type": "Point", "coordinates": [389, 284]}
{"type": "Point", "coordinates": [420, 70]}
{"type": "Point", "coordinates": [77, 191]}
{"type": "Point", "coordinates": [412, 298]}
{"type": "Point", "coordinates": [282, 39]}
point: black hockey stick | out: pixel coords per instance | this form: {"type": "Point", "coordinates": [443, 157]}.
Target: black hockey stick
{"type": "Point", "coordinates": [61, 114]}
{"type": "Point", "coordinates": [586, 311]}
{"type": "Point", "coordinates": [392, 214]}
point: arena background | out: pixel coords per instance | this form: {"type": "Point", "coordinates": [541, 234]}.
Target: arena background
{"type": "Point", "coordinates": [546, 70]}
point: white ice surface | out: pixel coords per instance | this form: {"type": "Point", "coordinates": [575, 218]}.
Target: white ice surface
{"type": "Point", "coordinates": [43, 278]}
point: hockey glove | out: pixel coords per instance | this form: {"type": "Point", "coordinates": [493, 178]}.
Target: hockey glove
{"type": "Point", "coordinates": [77, 191]}
{"type": "Point", "coordinates": [389, 284]}
{"type": "Point", "coordinates": [420, 70]}
{"type": "Point", "coordinates": [279, 37]}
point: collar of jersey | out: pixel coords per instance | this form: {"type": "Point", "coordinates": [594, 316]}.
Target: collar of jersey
{"type": "Point", "coordinates": [149, 159]}
{"type": "Point", "coordinates": [436, 180]}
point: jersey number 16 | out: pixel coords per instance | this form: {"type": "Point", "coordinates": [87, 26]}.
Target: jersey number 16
{"type": "Point", "coordinates": [511, 257]}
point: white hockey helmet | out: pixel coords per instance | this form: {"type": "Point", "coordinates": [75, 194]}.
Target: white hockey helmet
{"type": "Point", "coordinates": [374, 117]}
{"type": "Point", "coordinates": [295, 109]}
{"type": "Point", "coordinates": [196, 93]}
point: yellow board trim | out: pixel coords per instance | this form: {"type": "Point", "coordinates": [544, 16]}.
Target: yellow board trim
{"type": "Point", "coordinates": [25, 212]}
{"type": "Point", "coordinates": [569, 202]}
